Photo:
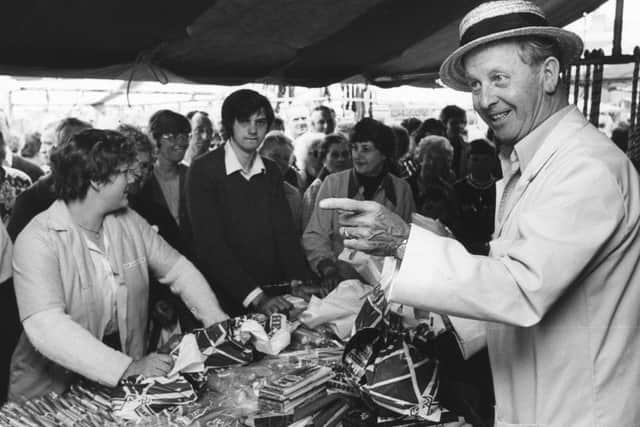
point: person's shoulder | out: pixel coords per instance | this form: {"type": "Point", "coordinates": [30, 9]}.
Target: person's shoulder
{"type": "Point", "coordinates": [19, 177]}
{"type": "Point", "coordinates": [290, 190]}
{"type": "Point", "coordinates": [27, 166]}
{"type": "Point", "coordinates": [39, 227]}
{"type": "Point", "coordinates": [338, 176]}
{"type": "Point", "coordinates": [399, 182]}
{"type": "Point", "coordinates": [206, 159]}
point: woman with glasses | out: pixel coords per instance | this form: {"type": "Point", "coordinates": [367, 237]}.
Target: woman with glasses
{"type": "Point", "coordinates": [335, 156]}
{"type": "Point", "coordinates": [81, 275]}
{"type": "Point", "coordinates": [161, 201]}
{"type": "Point", "coordinates": [372, 149]}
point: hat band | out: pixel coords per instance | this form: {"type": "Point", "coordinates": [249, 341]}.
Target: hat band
{"type": "Point", "coordinates": [501, 23]}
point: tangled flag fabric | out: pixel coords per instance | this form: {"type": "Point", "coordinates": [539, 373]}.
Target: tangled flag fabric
{"type": "Point", "coordinates": [138, 397]}
{"type": "Point", "coordinates": [387, 362]}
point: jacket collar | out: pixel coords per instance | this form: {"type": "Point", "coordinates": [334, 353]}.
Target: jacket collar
{"type": "Point", "coordinates": [570, 121]}
{"type": "Point", "coordinates": [386, 185]}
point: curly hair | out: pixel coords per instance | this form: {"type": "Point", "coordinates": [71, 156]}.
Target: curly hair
{"type": "Point", "coordinates": [140, 140]}
{"type": "Point", "coordinates": [91, 155]}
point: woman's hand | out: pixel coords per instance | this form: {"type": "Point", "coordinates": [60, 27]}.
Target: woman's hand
{"type": "Point", "coordinates": [152, 365]}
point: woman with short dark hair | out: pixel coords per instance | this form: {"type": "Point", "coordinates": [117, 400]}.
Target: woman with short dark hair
{"type": "Point", "coordinates": [83, 265]}
{"type": "Point", "coordinates": [372, 149]}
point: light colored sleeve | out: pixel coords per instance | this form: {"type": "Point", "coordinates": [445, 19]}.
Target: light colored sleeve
{"type": "Point", "coordinates": [36, 273]}
{"type": "Point", "coordinates": [316, 238]}
{"type": "Point", "coordinates": [558, 238]}
{"type": "Point", "coordinates": [73, 347]}
{"type": "Point", "coordinates": [6, 251]}
{"type": "Point", "coordinates": [187, 282]}
{"type": "Point", "coordinates": [471, 335]}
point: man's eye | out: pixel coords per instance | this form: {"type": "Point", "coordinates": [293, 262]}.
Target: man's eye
{"type": "Point", "coordinates": [499, 78]}
{"type": "Point", "coordinates": [261, 122]}
{"type": "Point", "coordinates": [474, 85]}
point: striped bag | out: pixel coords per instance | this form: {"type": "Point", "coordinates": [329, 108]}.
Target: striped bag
{"type": "Point", "coordinates": [387, 363]}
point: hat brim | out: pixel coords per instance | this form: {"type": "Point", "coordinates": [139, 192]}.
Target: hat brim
{"type": "Point", "coordinates": [452, 71]}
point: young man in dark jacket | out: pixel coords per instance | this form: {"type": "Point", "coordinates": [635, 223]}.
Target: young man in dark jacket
{"type": "Point", "coordinates": [243, 232]}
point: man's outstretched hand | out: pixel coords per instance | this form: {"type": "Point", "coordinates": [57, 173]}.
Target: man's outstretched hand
{"type": "Point", "coordinates": [368, 226]}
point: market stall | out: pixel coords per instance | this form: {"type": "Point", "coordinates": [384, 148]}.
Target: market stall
{"type": "Point", "coordinates": [346, 359]}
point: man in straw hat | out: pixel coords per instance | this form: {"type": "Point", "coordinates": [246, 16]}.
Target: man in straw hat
{"type": "Point", "coordinates": [560, 288]}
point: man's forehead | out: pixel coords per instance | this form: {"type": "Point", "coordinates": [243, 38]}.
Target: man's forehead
{"type": "Point", "coordinates": [495, 55]}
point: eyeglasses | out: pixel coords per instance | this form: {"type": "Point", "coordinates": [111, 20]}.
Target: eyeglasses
{"type": "Point", "coordinates": [339, 154]}
{"type": "Point", "coordinates": [176, 138]}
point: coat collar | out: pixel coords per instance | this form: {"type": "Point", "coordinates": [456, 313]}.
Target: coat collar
{"type": "Point", "coordinates": [386, 185]}
{"type": "Point", "coordinates": [571, 121]}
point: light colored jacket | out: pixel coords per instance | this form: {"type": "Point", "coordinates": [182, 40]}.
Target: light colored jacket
{"type": "Point", "coordinates": [321, 239]}
{"type": "Point", "coordinates": [560, 288]}
{"type": "Point", "coordinates": [54, 272]}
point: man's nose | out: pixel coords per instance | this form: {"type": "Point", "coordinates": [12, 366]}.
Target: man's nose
{"type": "Point", "coordinates": [487, 97]}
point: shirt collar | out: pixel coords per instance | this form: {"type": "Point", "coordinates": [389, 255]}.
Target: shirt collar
{"type": "Point", "coordinates": [526, 148]}
{"type": "Point", "coordinates": [8, 159]}
{"type": "Point", "coordinates": [232, 164]}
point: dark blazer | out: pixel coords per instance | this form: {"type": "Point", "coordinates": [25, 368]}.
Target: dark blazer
{"type": "Point", "coordinates": [243, 231]}
{"type": "Point", "coordinates": [152, 206]}
{"type": "Point", "coordinates": [34, 171]}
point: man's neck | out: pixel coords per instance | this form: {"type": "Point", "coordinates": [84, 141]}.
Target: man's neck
{"type": "Point", "coordinates": [245, 158]}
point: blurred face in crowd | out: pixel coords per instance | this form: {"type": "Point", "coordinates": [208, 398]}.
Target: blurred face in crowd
{"type": "Point", "coordinates": [321, 122]}
{"type": "Point", "coordinates": [507, 93]}
{"type": "Point", "coordinates": [173, 147]}
{"type": "Point", "coordinates": [45, 150]}
{"type": "Point", "coordinates": [338, 157]}
{"type": "Point", "coordinates": [456, 127]}
{"type": "Point", "coordinates": [367, 159]}
{"type": "Point", "coordinates": [312, 163]}
{"type": "Point", "coordinates": [435, 162]}
{"type": "Point", "coordinates": [280, 154]}
{"type": "Point", "coordinates": [248, 134]}
{"type": "Point", "coordinates": [298, 122]}
{"type": "Point", "coordinates": [144, 166]}
{"type": "Point", "coordinates": [480, 165]}
{"type": "Point", "coordinates": [201, 134]}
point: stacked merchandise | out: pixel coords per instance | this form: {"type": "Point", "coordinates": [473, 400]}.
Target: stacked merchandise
{"type": "Point", "coordinates": [294, 388]}
{"type": "Point", "coordinates": [79, 407]}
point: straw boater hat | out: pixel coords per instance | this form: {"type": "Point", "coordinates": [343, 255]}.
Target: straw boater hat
{"type": "Point", "coordinates": [499, 20]}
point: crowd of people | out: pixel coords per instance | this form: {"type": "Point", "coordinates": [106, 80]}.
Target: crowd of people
{"type": "Point", "coordinates": [130, 235]}
{"type": "Point", "coordinates": [198, 223]}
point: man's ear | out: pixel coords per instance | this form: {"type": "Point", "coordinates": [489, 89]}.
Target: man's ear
{"type": "Point", "coordinates": [550, 70]}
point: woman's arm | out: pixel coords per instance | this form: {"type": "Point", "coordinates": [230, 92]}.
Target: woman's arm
{"type": "Point", "coordinates": [187, 282]}
{"type": "Point", "coordinates": [73, 347]}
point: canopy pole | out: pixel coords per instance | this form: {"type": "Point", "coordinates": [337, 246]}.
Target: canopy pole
{"type": "Point", "coordinates": [617, 29]}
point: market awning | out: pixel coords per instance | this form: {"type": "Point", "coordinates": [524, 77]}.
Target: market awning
{"type": "Point", "coordinates": [298, 42]}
